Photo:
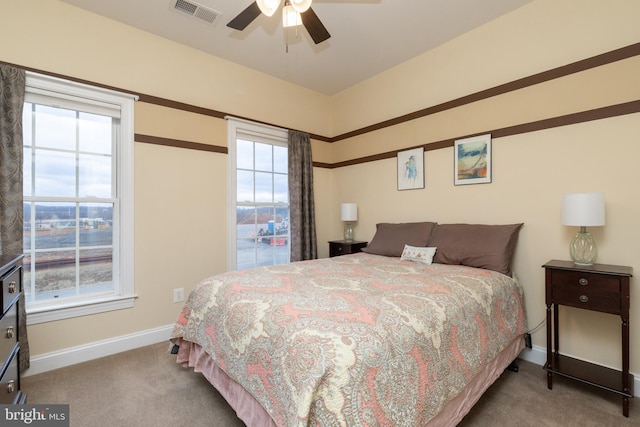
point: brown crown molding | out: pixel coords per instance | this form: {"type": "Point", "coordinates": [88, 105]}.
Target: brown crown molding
{"type": "Point", "coordinates": [163, 102]}
{"type": "Point", "coordinates": [545, 76]}
{"type": "Point", "coordinates": [565, 70]}
{"type": "Point", "coordinates": [575, 67]}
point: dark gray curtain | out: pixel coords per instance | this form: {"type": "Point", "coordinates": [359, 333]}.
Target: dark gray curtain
{"type": "Point", "coordinates": [301, 206]}
{"type": "Point", "coordinates": [12, 90]}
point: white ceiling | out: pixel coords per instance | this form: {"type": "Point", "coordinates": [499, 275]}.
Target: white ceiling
{"type": "Point", "coordinates": [367, 36]}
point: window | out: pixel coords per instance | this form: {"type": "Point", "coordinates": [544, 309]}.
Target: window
{"type": "Point", "coordinates": [258, 195]}
{"type": "Point", "coordinates": [78, 199]}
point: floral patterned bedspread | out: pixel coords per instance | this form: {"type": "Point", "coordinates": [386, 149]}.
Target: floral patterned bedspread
{"type": "Point", "coordinates": [357, 340]}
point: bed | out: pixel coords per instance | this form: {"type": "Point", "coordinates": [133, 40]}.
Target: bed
{"type": "Point", "coordinates": [407, 333]}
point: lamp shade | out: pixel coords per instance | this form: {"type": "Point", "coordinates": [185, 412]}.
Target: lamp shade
{"type": "Point", "coordinates": [268, 7]}
{"type": "Point", "coordinates": [349, 212]}
{"type": "Point", "coordinates": [583, 209]}
{"type": "Point", "coordinates": [290, 18]}
{"type": "Point", "coordinates": [301, 6]}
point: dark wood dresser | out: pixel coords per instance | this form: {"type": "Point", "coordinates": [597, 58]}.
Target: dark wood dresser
{"type": "Point", "coordinates": [11, 285]}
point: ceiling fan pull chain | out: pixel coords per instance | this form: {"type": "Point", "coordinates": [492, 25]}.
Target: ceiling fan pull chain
{"type": "Point", "coordinates": [286, 40]}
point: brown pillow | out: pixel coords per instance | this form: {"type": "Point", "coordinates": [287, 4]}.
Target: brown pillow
{"type": "Point", "coordinates": [476, 245]}
{"type": "Point", "coordinates": [390, 239]}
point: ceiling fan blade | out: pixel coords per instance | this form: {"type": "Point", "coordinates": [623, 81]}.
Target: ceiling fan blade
{"type": "Point", "coordinates": [245, 17]}
{"type": "Point", "coordinates": [312, 23]}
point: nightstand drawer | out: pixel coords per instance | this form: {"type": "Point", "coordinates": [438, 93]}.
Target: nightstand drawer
{"type": "Point", "coordinates": [343, 247]}
{"type": "Point", "coordinates": [10, 288]}
{"type": "Point", "coordinates": [586, 290]}
{"type": "Point", "coordinates": [337, 250]}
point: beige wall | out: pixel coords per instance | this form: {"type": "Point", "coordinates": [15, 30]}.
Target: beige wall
{"type": "Point", "coordinates": [532, 170]}
{"type": "Point", "coordinates": [180, 202]}
{"type": "Point", "coordinates": [536, 37]}
{"type": "Point", "coordinates": [181, 194]}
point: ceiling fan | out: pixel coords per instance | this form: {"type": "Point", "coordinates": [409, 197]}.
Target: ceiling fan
{"type": "Point", "coordinates": [292, 9]}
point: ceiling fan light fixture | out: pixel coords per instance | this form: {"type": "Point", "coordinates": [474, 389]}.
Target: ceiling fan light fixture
{"type": "Point", "coordinates": [268, 7]}
{"type": "Point", "coordinates": [301, 6]}
{"type": "Point", "coordinates": [290, 17]}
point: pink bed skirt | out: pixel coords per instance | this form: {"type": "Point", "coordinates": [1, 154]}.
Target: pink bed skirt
{"type": "Point", "coordinates": [251, 412]}
{"type": "Point", "coordinates": [248, 409]}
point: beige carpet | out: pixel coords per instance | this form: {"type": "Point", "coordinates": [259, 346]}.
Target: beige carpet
{"type": "Point", "coordinates": [145, 387]}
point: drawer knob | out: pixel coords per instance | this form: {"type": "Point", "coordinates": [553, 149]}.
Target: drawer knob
{"type": "Point", "coordinates": [583, 282]}
{"type": "Point", "coordinates": [11, 386]}
{"type": "Point", "coordinates": [10, 333]}
{"type": "Point", "coordinates": [584, 298]}
{"type": "Point", "coordinates": [12, 287]}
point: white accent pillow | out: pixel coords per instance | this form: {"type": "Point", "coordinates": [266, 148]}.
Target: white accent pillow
{"type": "Point", "coordinates": [424, 255]}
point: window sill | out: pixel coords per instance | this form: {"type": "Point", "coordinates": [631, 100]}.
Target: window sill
{"type": "Point", "coordinates": [78, 309]}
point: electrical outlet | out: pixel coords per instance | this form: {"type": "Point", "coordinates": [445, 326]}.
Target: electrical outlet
{"type": "Point", "coordinates": [527, 340]}
{"type": "Point", "coordinates": [178, 295]}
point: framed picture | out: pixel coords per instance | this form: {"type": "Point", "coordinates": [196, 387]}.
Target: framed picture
{"type": "Point", "coordinates": [473, 160]}
{"type": "Point", "coordinates": [411, 169]}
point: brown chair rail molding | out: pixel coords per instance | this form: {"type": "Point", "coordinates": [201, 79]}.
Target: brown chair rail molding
{"type": "Point", "coordinates": [569, 119]}
{"type": "Point", "coordinates": [178, 143]}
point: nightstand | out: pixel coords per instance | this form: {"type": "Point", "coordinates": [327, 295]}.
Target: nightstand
{"type": "Point", "coordinates": [343, 247]}
{"type": "Point", "coordinates": [598, 287]}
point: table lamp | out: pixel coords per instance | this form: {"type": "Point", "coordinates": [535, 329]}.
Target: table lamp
{"type": "Point", "coordinates": [583, 210]}
{"type": "Point", "coordinates": [348, 213]}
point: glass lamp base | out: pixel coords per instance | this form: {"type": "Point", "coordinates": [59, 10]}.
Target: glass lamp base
{"type": "Point", "coordinates": [348, 232]}
{"type": "Point", "coordinates": [583, 249]}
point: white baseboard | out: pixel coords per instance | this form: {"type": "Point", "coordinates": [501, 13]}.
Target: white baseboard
{"type": "Point", "coordinates": [83, 353]}
{"type": "Point", "coordinates": [538, 355]}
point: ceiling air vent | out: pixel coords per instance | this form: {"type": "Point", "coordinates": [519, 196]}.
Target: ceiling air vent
{"type": "Point", "coordinates": [195, 10]}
